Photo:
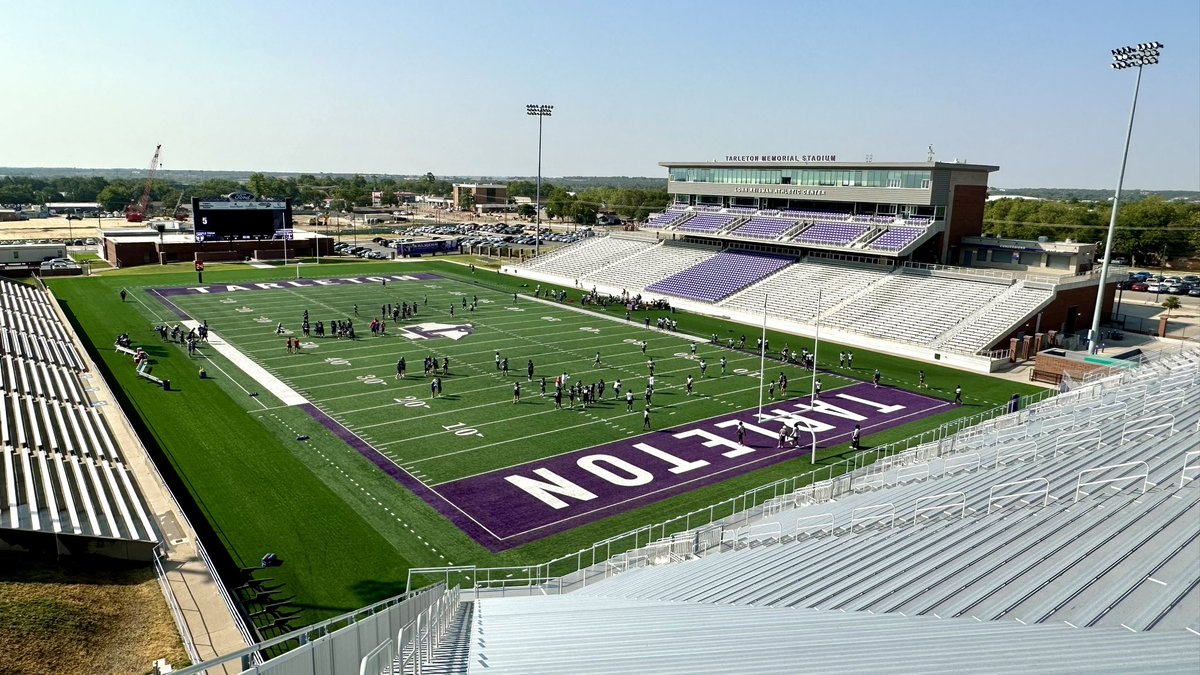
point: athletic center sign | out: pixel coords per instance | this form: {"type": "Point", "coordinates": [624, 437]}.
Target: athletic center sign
{"type": "Point", "coordinates": [513, 506]}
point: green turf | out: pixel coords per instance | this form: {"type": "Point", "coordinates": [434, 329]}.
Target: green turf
{"type": "Point", "coordinates": [346, 531]}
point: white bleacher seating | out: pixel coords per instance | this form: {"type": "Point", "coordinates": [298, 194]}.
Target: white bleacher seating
{"type": "Point", "coordinates": [577, 259]}
{"type": "Point", "coordinates": [914, 308]}
{"type": "Point", "coordinates": [792, 293]}
{"type": "Point", "coordinates": [61, 470]}
{"type": "Point", "coordinates": [996, 318]}
{"type": "Point", "coordinates": [654, 264]}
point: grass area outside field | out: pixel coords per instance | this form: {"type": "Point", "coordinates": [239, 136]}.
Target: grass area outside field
{"type": "Point", "coordinates": [321, 507]}
{"type": "Point", "coordinates": [82, 615]}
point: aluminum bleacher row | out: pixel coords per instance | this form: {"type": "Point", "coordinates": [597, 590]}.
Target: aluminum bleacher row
{"type": "Point", "coordinates": [1062, 538]}
{"type": "Point", "coordinates": [896, 238]}
{"type": "Point", "coordinates": [924, 307]}
{"type": "Point", "coordinates": [833, 234]}
{"type": "Point", "coordinates": [589, 254]}
{"type": "Point", "coordinates": [656, 262]}
{"type": "Point", "coordinates": [881, 232]}
{"type": "Point", "coordinates": [60, 469]}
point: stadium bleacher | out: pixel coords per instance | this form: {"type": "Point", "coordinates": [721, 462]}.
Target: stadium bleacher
{"type": "Point", "coordinates": [61, 471]}
{"type": "Point", "coordinates": [707, 222]}
{"type": "Point", "coordinates": [589, 254]}
{"type": "Point", "coordinates": [924, 306]}
{"type": "Point", "coordinates": [656, 262]}
{"type": "Point", "coordinates": [667, 218]}
{"type": "Point", "coordinates": [792, 293]}
{"type": "Point", "coordinates": [979, 331]}
{"type": "Point", "coordinates": [765, 227]}
{"type": "Point", "coordinates": [721, 275]}
{"type": "Point", "coordinates": [831, 233]}
{"type": "Point", "coordinates": [896, 238]}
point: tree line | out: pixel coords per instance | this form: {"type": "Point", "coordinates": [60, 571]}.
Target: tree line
{"type": "Point", "coordinates": [346, 192]}
{"type": "Point", "coordinates": [1147, 229]}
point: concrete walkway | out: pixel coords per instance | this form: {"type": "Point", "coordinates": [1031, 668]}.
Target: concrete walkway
{"type": "Point", "coordinates": [209, 620]}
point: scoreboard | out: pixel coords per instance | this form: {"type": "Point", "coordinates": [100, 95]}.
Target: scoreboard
{"type": "Point", "coordinates": [240, 215]}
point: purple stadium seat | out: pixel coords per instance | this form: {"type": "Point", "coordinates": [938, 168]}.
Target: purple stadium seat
{"type": "Point", "coordinates": [721, 275]}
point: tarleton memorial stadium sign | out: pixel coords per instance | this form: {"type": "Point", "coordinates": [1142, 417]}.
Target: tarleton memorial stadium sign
{"type": "Point", "coordinates": [780, 158]}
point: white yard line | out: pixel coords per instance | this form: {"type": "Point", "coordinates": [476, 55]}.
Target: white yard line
{"type": "Point", "coordinates": [256, 372]}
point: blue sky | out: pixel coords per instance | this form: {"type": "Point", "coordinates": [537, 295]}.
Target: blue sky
{"type": "Point", "coordinates": [406, 87]}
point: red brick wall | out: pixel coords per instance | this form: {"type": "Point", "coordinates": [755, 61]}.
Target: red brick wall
{"type": "Point", "coordinates": [966, 217]}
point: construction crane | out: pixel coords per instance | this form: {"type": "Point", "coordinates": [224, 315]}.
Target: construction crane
{"type": "Point", "coordinates": [136, 213]}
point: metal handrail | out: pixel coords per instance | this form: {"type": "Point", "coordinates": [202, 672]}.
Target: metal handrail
{"type": "Point", "coordinates": [189, 643]}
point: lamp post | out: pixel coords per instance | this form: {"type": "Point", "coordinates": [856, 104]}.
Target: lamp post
{"type": "Point", "coordinates": [538, 111]}
{"type": "Point", "coordinates": [1144, 54]}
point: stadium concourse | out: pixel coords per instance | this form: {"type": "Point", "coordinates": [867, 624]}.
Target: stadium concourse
{"type": "Point", "coordinates": [1063, 537]}
{"type": "Point", "coordinates": [951, 315]}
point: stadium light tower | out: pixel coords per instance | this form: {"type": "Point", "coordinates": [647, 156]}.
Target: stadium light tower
{"type": "Point", "coordinates": [1144, 54]}
{"type": "Point", "coordinates": [540, 112]}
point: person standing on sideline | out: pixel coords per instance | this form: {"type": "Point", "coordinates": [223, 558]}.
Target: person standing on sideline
{"type": "Point", "coordinates": [771, 390]}
{"type": "Point", "coordinates": [433, 388]}
{"type": "Point", "coordinates": [689, 385]}
{"type": "Point", "coordinates": [856, 437]}
{"type": "Point", "coordinates": [724, 362]}
{"type": "Point", "coordinates": [703, 367]}
{"type": "Point", "coordinates": [958, 395]}
{"type": "Point", "coordinates": [529, 369]}
{"type": "Point", "coordinates": [629, 401]}
{"type": "Point", "coordinates": [597, 361]}
{"type": "Point", "coordinates": [644, 346]}
{"type": "Point", "coordinates": [558, 398]}
{"type": "Point", "coordinates": [850, 360]}
{"type": "Point", "coordinates": [543, 383]}
{"type": "Point", "coordinates": [646, 419]}
{"type": "Point", "coordinates": [920, 379]}
{"type": "Point", "coordinates": [123, 295]}
{"type": "Point", "coordinates": [875, 378]}
{"type": "Point", "coordinates": [400, 368]}
{"type": "Point", "coordinates": [497, 359]}
{"type": "Point", "coordinates": [438, 381]}
{"type": "Point", "coordinates": [504, 366]}
{"type": "Point", "coordinates": [617, 389]}
{"type": "Point", "coordinates": [817, 388]}
{"type": "Point", "coordinates": [693, 350]}
{"type": "Point", "coordinates": [514, 298]}
{"type": "Point", "coordinates": [741, 433]}
{"type": "Point", "coordinates": [841, 359]}
{"type": "Point", "coordinates": [517, 391]}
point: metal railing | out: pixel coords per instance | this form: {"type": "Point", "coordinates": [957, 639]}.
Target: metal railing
{"type": "Point", "coordinates": [189, 643]}
{"type": "Point", "coordinates": [410, 603]}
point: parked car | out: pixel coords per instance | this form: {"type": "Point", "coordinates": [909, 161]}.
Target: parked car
{"type": "Point", "coordinates": [1139, 286]}
{"type": "Point", "coordinates": [1156, 287]}
{"type": "Point", "coordinates": [1195, 292]}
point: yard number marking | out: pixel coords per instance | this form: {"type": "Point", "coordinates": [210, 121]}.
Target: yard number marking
{"type": "Point", "coordinates": [370, 379]}
{"type": "Point", "coordinates": [411, 402]}
{"type": "Point", "coordinates": [460, 429]}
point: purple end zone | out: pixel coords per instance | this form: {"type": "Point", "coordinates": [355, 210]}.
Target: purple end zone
{"type": "Point", "coordinates": [213, 289]}
{"type": "Point", "coordinates": [513, 506]}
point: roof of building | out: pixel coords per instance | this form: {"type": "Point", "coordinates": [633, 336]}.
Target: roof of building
{"type": "Point", "coordinates": [877, 166]}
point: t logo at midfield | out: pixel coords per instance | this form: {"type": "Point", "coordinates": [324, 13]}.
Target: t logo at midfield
{"type": "Point", "coordinates": [433, 331]}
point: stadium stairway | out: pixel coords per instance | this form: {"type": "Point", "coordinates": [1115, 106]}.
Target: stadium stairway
{"type": "Point", "coordinates": [451, 654]}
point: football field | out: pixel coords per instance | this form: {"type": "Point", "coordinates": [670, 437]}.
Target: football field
{"type": "Point", "coordinates": [506, 471]}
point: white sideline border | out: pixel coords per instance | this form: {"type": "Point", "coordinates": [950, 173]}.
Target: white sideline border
{"type": "Point", "coordinates": [266, 380]}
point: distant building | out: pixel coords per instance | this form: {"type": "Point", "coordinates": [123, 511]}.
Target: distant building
{"type": "Point", "coordinates": [1041, 256]}
{"type": "Point", "coordinates": [75, 208]}
{"type": "Point", "coordinates": [401, 197]}
{"type": "Point", "coordinates": [488, 196]}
